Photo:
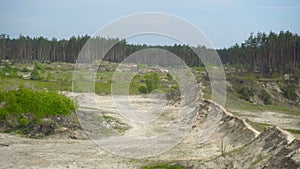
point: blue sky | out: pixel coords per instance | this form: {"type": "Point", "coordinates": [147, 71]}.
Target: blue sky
{"type": "Point", "coordinates": [224, 22]}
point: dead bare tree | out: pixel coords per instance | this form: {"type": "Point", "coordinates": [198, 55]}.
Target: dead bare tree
{"type": "Point", "coordinates": [222, 146]}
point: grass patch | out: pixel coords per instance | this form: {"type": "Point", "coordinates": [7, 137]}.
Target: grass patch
{"type": "Point", "coordinates": [102, 88]}
{"type": "Point", "coordinates": [282, 109]}
{"type": "Point", "coordinates": [233, 102]}
{"type": "Point", "coordinates": [13, 83]}
{"type": "Point", "coordinates": [163, 166]}
{"type": "Point", "coordinates": [250, 76]}
{"type": "Point", "coordinates": [258, 126]}
{"type": "Point", "coordinates": [293, 131]}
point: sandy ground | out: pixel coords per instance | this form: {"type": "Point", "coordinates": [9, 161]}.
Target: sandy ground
{"type": "Point", "coordinates": [68, 153]}
{"type": "Point", "coordinates": [55, 154]}
{"type": "Point", "coordinates": [141, 139]}
{"type": "Point", "coordinates": [281, 120]}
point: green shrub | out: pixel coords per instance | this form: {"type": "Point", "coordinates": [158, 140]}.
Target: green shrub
{"type": "Point", "coordinates": [49, 76]}
{"type": "Point", "coordinates": [9, 71]}
{"type": "Point", "coordinates": [264, 96]}
{"type": "Point", "coordinates": [142, 89]}
{"type": "Point", "coordinates": [35, 75]}
{"type": "Point", "coordinates": [8, 66]}
{"type": "Point", "coordinates": [200, 69]}
{"type": "Point", "coordinates": [25, 69]}
{"type": "Point", "coordinates": [152, 82]}
{"type": "Point", "coordinates": [289, 92]}
{"type": "Point", "coordinates": [169, 77]}
{"type": "Point", "coordinates": [245, 93]}
{"type": "Point", "coordinates": [39, 66]}
{"type": "Point", "coordinates": [25, 107]}
{"type": "Point", "coordinates": [175, 87]}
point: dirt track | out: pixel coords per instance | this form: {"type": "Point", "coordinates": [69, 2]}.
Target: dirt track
{"type": "Point", "coordinates": [55, 154]}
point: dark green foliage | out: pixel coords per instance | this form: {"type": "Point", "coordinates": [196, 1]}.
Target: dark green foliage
{"type": "Point", "coordinates": [23, 108]}
{"type": "Point", "coordinates": [246, 93]}
{"type": "Point", "coordinates": [200, 69]}
{"type": "Point", "coordinates": [289, 92]}
{"type": "Point", "coordinates": [152, 82]}
{"type": "Point", "coordinates": [175, 87]}
{"type": "Point", "coordinates": [265, 53]}
{"type": "Point", "coordinates": [35, 75]}
{"type": "Point", "coordinates": [9, 71]}
{"type": "Point", "coordinates": [8, 66]}
{"type": "Point", "coordinates": [25, 69]}
{"type": "Point", "coordinates": [264, 96]}
{"type": "Point", "coordinates": [39, 66]}
{"type": "Point", "coordinates": [170, 77]}
{"type": "Point", "coordinates": [142, 89]}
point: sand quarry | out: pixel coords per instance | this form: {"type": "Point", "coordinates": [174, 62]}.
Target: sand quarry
{"type": "Point", "coordinates": [207, 136]}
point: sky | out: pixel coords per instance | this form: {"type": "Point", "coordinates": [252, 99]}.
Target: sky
{"type": "Point", "coordinates": [224, 22]}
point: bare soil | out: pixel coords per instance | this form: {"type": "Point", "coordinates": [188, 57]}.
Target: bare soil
{"type": "Point", "coordinates": [244, 146]}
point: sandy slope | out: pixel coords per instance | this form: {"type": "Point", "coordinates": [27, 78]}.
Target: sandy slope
{"type": "Point", "coordinates": [200, 148]}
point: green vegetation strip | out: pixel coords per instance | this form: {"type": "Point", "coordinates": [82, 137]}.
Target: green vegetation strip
{"type": "Point", "coordinates": [261, 126]}
{"type": "Point", "coordinates": [293, 131]}
{"type": "Point", "coordinates": [258, 126]}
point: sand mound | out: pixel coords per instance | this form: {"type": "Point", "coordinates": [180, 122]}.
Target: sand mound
{"type": "Point", "coordinates": [247, 148]}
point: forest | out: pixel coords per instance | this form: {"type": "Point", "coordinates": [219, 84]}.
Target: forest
{"type": "Point", "coordinates": [262, 53]}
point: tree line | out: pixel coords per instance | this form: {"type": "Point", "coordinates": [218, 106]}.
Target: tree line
{"type": "Point", "coordinates": [25, 49]}
{"type": "Point", "coordinates": [261, 52]}
{"type": "Point", "coordinates": [265, 53]}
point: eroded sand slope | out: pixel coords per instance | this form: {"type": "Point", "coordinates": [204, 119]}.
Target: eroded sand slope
{"type": "Point", "coordinates": [200, 148]}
